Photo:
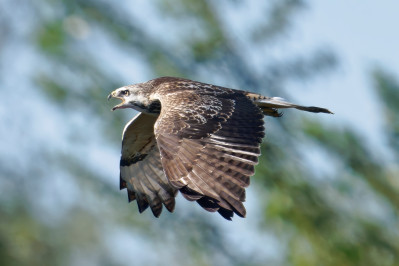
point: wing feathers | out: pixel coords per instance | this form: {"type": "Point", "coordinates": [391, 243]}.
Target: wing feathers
{"type": "Point", "coordinates": [131, 195]}
{"type": "Point", "coordinates": [210, 156]}
{"type": "Point", "coordinates": [236, 177]}
{"type": "Point", "coordinates": [237, 206]}
{"type": "Point", "coordinates": [221, 163]}
{"type": "Point", "coordinates": [220, 182]}
{"type": "Point", "coordinates": [141, 167]}
{"type": "Point", "coordinates": [122, 183]}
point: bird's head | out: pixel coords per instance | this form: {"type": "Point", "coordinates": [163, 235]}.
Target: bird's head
{"type": "Point", "coordinates": [132, 96]}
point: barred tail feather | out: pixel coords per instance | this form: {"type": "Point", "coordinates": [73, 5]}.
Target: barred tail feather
{"type": "Point", "coordinates": [269, 106]}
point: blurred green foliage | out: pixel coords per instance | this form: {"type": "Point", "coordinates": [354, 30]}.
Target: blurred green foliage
{"type": "Point", "coordinates": [347, 218]}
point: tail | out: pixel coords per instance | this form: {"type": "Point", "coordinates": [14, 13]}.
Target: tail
{"type": "Point", "coordinates": [270, 105]}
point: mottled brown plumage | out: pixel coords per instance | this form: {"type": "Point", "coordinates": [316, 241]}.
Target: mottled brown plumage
{"type": "Point", "coordinates": [196, 138]}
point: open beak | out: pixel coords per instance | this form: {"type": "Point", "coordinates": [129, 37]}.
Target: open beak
{"type": "Point", "coordinates": [113, 95]}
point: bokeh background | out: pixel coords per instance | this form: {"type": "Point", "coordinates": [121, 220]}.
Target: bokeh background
{"type": "Point", "coordinates": [326, 188]}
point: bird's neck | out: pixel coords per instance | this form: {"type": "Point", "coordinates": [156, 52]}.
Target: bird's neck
{"type": "Point", "coordinates": [153, 107]}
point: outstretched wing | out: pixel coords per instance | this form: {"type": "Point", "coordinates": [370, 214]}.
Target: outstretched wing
{"type": "Point", "coordinates": [141, 169]}
{"type": "Point", "coordinates": [209, 145]}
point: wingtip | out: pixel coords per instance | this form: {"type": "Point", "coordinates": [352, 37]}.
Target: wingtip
{"type": "Point", "coordinates": [170, 204]}
{"type": "Point", "coordinates": [156, 210]}
{"type": "Point", "coordinates": [131, 196]}
{"type": "Point", "coordinates": [226, 214]}
{"type": "Point", "coordinates": [122, 183]}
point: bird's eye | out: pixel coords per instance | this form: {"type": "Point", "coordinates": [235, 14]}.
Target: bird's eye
{"type": "Point", "coordinates": [125, 93]}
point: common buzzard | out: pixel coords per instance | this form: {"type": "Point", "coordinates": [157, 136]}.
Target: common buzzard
{"type": "Point", "coordinates": [200, 139]}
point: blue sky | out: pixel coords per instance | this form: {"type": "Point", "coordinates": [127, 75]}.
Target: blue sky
{"type": "Point", "coordinates": [364, 35]}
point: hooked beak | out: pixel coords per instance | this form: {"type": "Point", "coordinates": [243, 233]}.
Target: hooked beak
{"type": "Point", "coordinates": [113, 95]}
{"type": "Point", "coordinates": [110, 96]}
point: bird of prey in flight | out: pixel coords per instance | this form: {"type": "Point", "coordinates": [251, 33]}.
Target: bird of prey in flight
{"type": "Point", "coordinates": [200, 139]}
